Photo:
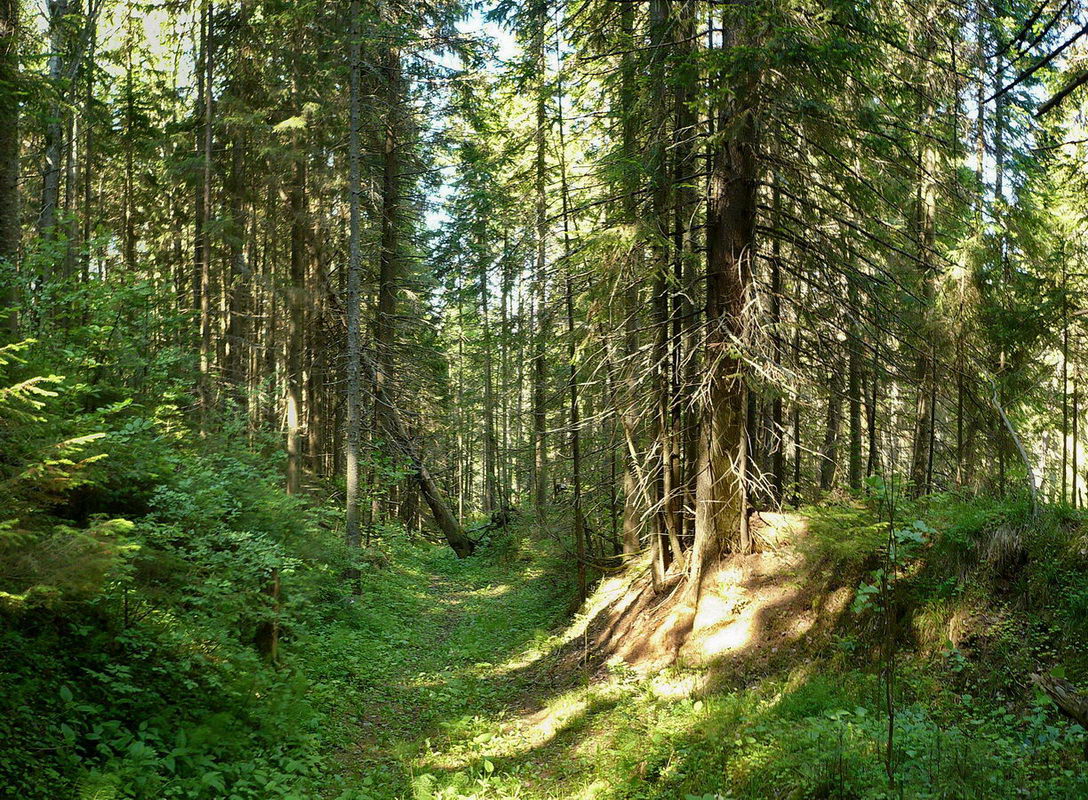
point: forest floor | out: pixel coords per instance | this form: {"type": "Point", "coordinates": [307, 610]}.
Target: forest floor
{"type": "Point", "coordinates": [471, 679]}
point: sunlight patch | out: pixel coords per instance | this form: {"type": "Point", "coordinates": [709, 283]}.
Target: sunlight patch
{"type": "Point", "coordinates": [677, 687]}
{"type": "Point", "coordinates": [546, 724]}
{"type": "Point", "coordinates": [732, 637]}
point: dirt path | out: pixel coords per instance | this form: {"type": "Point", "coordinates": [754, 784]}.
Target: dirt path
{"type": "Point", "coordinates": [446, 653]}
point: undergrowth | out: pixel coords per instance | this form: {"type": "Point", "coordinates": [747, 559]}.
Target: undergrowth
{"type": "Point", "coordinates": [967, 723]}
{"type": "Point", "coordinates": [135, 565]}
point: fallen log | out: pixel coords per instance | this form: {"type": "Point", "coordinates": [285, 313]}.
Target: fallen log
{"type": "Point", "coordinates": [445, 520]}
{"type": "Point", "coordinates": [1066, 696]}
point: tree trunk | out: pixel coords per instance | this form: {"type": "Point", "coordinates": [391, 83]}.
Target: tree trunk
{"type": "Point", "coordinates": [202, 243]}
{"type": "Point", "coordinates": [627, 410]}
{"type": "Point", "coordinates": [389, 255]}
{"type": "Point", "coordinates": [54, 127]}
{"type": "Point", "coordinates": [853, 370]}
{"type": "Point", "coordinates": [778, 434]}
{"type": "Point", "coordinates": [721, 513]}
{"type": "Point", "coordinates": [9, 164]}
{"type": "Point", "coordinates": [354, 290]}
{"type": "Point", "coordinates": [665, 475]}
{"type": "Point", "coordinates": [578, 522]}
{"type": "Point", "coordinates": [296, 298]}
{"type": "Point", "coordinates": [926, 232]}
{"type": "Point", "coordinates": [490, 480]}
{"type": "Point", "coordinates": [829, 456]}
{"type": "Point", "coordinates": [540, 424]}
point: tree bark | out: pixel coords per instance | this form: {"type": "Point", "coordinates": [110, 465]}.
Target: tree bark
{"type": "Point", "coordinates": [202, 242]}
{"type": "Point", "coordinates": [354, 289]}
{"type": "Point", "coordinates": [829, 456]}
{"type": "Point", "coordinates": [9, 164]}
{"type": "Point", "coordinates": [539, 369]}
{"type": "Point", "coordinates": [490, 480]}
{"type": "Point", "coordinates": [721, 503]}
{"type": "Point", "coordinates": [853, 382]}
{"type": "Point", "coordinates": [627, 410]}
{"type": "Point", "coordinates": [384, 327]}
{"type": "Point", "coordinates": [54, 127]}
{"type": "Point", "coordinates": [296, 299]}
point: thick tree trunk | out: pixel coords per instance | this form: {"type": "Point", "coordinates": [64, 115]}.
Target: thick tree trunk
{"type": "Point", "coordinates": [389, 256]}
{"type": "Point", "coordinates": [721, 512]}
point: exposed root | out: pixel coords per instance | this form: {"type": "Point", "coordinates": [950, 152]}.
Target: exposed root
{"type": "Point", "coordinates": [747, 606]}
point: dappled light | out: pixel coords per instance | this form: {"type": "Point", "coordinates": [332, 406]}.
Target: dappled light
{"type": "Point", "coordinates": [555, 400]}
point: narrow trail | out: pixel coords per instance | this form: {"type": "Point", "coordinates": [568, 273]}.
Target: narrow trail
{"type": "Point", "coordinates": [443, 647]}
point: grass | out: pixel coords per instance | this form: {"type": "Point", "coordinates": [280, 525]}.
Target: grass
{"type": "Point", "coordinates": [430, 646]}
{"type": "Point", "coordinates": [454, 680]}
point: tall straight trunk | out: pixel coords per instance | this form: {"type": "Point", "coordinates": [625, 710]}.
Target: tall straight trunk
{"type": "Point", "coordinates": [238, 312]}
{"type": "Point", "coordinates": [202, 242]}
{"type": "Point", "coordinates": [871, 463]}
{"type": "Point", "coordinates": [54, 127]}
{"type": "Point", "coordinates": [318, 438]}
{"type": "Point", "coordinates": [1065, 389]}
{"type": "Point", "coordinates": [796, 416]}
{"type": "Point", "coordinates": [665, 473]}
{"type": "Point", "coordinates": [721, 503]}
{"type": "Point", "coordinates": [459, 424]}
{"type": "Point", "coordinates": [389, 255]}
{"type": "Point", "coordinates": [685, 200]}
{"type": "Point", "coordinates": [521, 474]}
{"type": "Point", "coordinates": [578, 522]}
{"type": "Point", "coordinates": [778, 434]}
{"type": "Point", "coordinates": [632, 507]}
{"type": "Point", "coordinates": [853, 389]}
{"type": "Point", "coordinates": [88, 173]}
{"type": "Point", "coordinates": [296, 299]}
{"type": "Point", "coordinates": [128, 232]}
{"type": "Point", "coordinates": [9, 164]}
{"type": "Point", "coordinates": [354, 290]}
{"type": "Point", "coordinates": [829, 455]}
{"type": "Point", "coordinates": [490, 478]}
{"type": "Point", "coordinates": [505, 460]}
{"type": "Point", "coordinates": [1076, 442]}
{"type": "Point", "coordinates": [540, 338]}
{"type": "Point", "coordinates": [71, 223]}
{"type": "Point", "coordinates": [926, 238]}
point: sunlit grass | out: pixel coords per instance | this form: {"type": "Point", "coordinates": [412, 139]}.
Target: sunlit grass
{"type": "Point", "coordinates": [476, 679]}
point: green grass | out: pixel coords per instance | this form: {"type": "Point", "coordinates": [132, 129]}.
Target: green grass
{"type": "Point", "coordinates": [429, 648]}
{"type": "Point", "coordinates": [444, 682]}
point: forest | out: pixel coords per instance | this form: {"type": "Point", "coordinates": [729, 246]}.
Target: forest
{"type": "Point", "coordinates": [543, 399]}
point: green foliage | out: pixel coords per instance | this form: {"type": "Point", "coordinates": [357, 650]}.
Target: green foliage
{"type": "Point", "coordinates": [841, 540]}
{"type": "Point", "coordinates": [133, 576]}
